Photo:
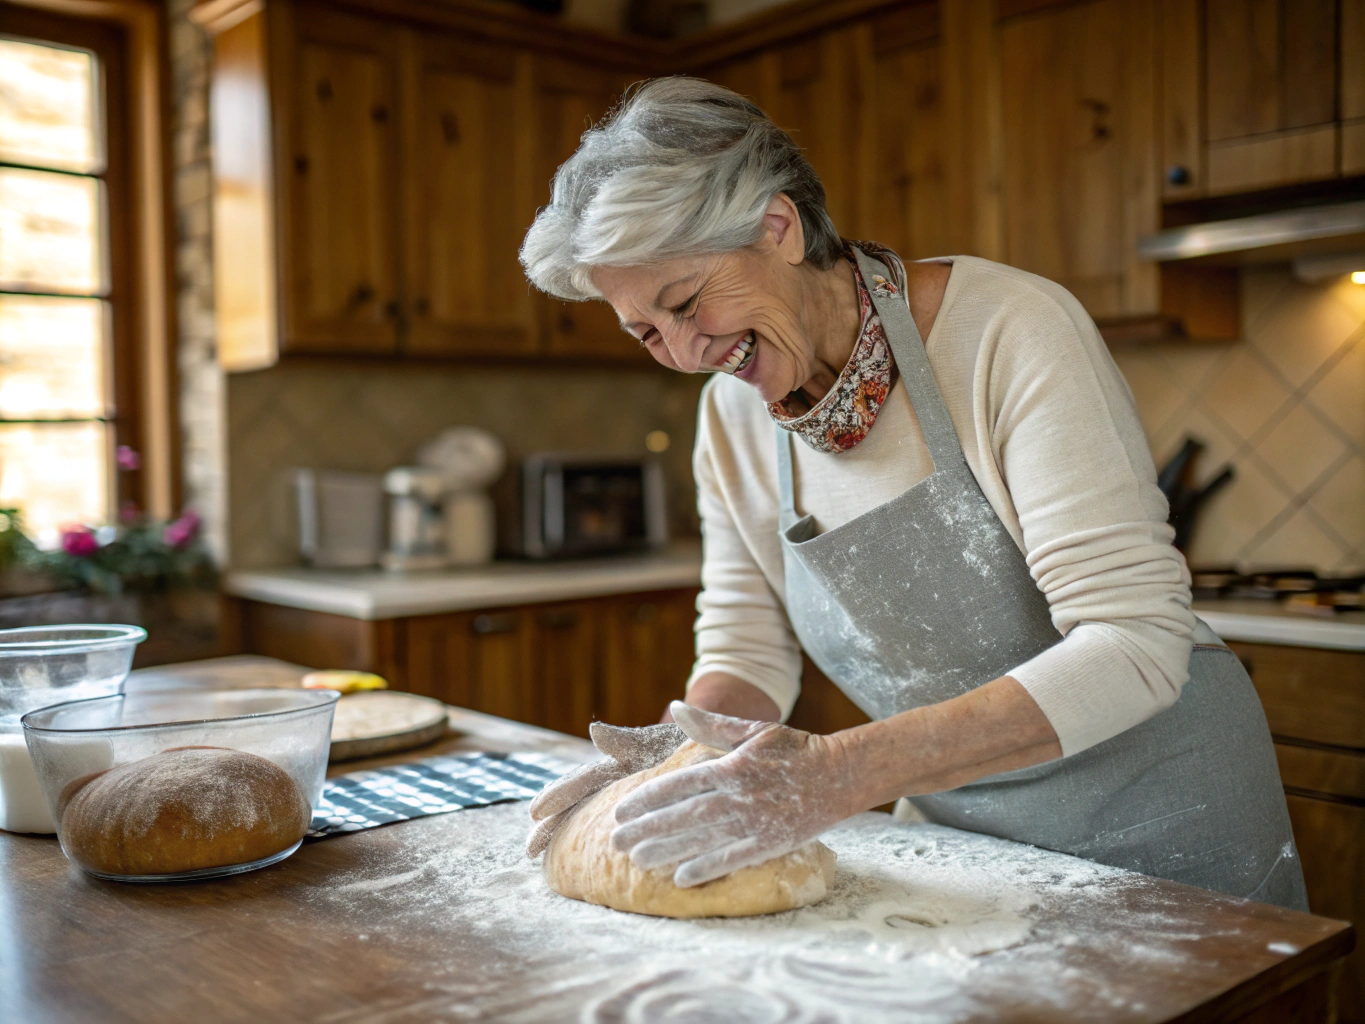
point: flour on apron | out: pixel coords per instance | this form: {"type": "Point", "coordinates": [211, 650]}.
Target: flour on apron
{"type": "Point", "coordinates": [927, 597]}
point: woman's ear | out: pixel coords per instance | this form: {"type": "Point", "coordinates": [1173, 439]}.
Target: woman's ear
{"type": "Point", "coordinates": [784, 229]}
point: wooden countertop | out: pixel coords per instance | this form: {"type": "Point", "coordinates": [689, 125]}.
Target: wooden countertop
{"type": "Point", "coordinates": [442, 918]}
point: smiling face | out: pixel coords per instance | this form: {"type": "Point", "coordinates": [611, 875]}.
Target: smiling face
{"type": "Point", "coordinates": [762, 313]}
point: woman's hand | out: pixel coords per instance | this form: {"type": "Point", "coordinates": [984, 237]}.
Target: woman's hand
{"type": "Point", "coordinates": [775, 790]}
{"type": "Point", "coordinates": [628, 751]}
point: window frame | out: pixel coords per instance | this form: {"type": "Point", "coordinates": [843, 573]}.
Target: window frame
{"type": "Point", "coordinates": [127, 37]}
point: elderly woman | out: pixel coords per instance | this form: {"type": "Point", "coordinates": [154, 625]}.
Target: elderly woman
{"type": "Point", "coordinates": [931, 478]}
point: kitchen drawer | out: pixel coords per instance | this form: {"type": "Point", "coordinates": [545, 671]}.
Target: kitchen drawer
{"type": "Point", "coordinates": [1309, 693]}
{"type": "Point", "coordinates": [1312, 770]}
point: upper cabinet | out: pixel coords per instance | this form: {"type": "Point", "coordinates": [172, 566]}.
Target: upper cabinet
{"type": "Point", "coordinates": [340, 175]}
{"type": "Point", "coordinates": [569, 99]}
{"type": "Point", "coordinates": [377, 167]}
{"type": "Point", "coordinates": [1259, 94]}
{"type": "Point", "coordinates": [374, 179]}
{"type": "Point", "coordinates": [469, 140]}
{"type": "Point", "coordinates": [1352, 87]}
{"type": "Point", "coordinates": [1079, 164]}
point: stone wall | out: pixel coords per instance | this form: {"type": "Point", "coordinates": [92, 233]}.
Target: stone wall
{"type": "Point", "coordinates": [203, 458]}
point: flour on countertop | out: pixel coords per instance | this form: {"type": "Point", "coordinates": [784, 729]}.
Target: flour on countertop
{"type": "Point", "coordinates": [923, 923]}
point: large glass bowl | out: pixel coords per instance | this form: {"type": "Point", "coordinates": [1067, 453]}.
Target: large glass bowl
{"type": "Point", "coordinates": [44, 665]}
{"type": "Point", "coordinates": [68, 742]}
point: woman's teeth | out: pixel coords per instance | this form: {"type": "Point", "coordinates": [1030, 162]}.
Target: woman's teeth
{"type": "Point", "coordinates": [742, 355]}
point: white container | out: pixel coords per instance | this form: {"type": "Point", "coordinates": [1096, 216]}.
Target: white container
{"type": "Point", "coordinates": [470, 528]}
{"type": "Point", "coordinates": [41, 666]}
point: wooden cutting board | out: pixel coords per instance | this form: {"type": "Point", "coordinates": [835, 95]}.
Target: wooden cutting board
{"type": "Point", "coordinates": [382, 721]}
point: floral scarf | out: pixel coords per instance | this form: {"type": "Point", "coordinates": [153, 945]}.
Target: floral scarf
{"type": "Point", "coordinates": [846, 413]}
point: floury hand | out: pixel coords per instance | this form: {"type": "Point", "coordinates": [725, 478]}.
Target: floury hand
{"type": "Point", "coordinates": [776, 789]}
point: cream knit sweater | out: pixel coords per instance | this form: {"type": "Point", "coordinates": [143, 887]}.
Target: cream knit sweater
{"type": "Point", "coordinates": [1051, 434]}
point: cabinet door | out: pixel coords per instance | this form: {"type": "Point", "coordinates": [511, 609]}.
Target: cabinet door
{"type": "Point", "coordinates": [647, 654]}
{"type": "Point", "coordinates": [566, 665]}
{"type": "Point", "coordinates": [570, 98]}
{"type": "Point", "coordinates": [1330, 836]}
{"type": "Point", "coordinates": [340, 257]}
{"type": "Point", "coordinates": [1271, 92]}
{"type": "Point", "coordinates": [1352, 87]}
{"type": "Point", "coordinates": [466, 192]}
{"type": "Point", "coordinates": [482, 661]}
{"type": "Point", "coordinates": [1080, 154]}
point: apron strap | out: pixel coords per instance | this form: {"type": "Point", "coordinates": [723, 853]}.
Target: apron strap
{"type": "Point", "coordinates": [940, 436]}
{"type": "Point", "coordinates": [786, 494]}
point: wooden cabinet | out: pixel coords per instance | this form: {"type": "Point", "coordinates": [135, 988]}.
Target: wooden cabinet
{"type": "Point", "coordinates": [1271, 81]}
{"type": "Point", "coordinates": [1352, 87]}
{"type": "Point", "coordinates": [1259, 94]}
{"type": "Point", "coordinates": [381, 177]}
{"type": "Point", "coordinates": [340, 173]}
{"type": "Point", "coordinates": [467, 197]}
{"type": "Point", "coordinates": [1315, 703]}
{"type": "Point", "coordinates": [647, 654]}
{"type": "Point", "coordinates": [569, 99]}
{"type": "Point", "coordinates": [561, 665]}
{"type": "Point", "coordinates": [1079, 155]}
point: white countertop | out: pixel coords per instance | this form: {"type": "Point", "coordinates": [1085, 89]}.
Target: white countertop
{"type": "Point", "coordinates": [1270, 622]}
{"type": "Point", "coordinates": [376, 594]}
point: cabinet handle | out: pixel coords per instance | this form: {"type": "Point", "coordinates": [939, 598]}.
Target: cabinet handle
{"type": "Point", "coordinates": [380, 114]}
{"type": "Point", "coordinates": [1178, 174]}
{"type": "Point", "coordinates": [486, 625]}
{"type": "Point", "coordinates": [324, 89]}
{"type": "Point", "coordinates": [562, 618]}
{"type": "Point", "coordinates": [450, 128]}
{"type": "Point", "coordinates": [363, 293]}
{"type": "Point", "coordinates": [391, 309]}
{"type": "Point", "coordinates": [301, 164]}
{"type": "Point", "coordinates": [566, 324]}
{"type": "Point", "coordinates": [421, 307]}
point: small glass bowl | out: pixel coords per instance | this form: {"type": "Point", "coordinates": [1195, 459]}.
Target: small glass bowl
{"type": "Point", "coordinates": [41, 666]}
{"type": "Point", "coordinates": [292, 728]}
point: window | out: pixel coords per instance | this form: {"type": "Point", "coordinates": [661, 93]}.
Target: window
{"type": "Point", "coordinates": [62, 269]}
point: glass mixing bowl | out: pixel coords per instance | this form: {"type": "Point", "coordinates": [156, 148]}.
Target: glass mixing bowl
{"type": "Point", "coordinates": [44, 665]}
{"type": "Point", "coordinates": [70, 742]}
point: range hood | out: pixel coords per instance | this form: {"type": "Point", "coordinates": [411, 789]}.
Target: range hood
{"type": "Point", "coordinates": [1320, 241]}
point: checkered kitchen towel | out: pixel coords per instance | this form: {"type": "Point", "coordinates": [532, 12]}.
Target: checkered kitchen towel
{"type": "Point", "coordinates": [433, 785]}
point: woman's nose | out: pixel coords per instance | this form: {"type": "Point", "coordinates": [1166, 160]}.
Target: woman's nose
{"type": "Point", "coordinates": [687, 346]}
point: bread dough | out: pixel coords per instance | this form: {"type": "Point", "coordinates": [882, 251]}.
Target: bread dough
{"type": "Point", "coordinates": [184, 809]}
{"type": "Point", "coordinates": [582, 864]}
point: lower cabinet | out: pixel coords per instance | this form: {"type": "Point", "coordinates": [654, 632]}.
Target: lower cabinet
{"type": "Point", "coordinates": [1315, 703]}
{"type": "Point", "coordinates": [618, 659]}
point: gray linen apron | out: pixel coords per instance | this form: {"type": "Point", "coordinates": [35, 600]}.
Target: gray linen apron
{"type": "Point", "coordinates": [927, 597]}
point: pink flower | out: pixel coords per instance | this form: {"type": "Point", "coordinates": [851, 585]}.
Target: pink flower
{"type": "Point", "coordinates": [127, 458]}
{"type": "Point", "coordinates": [79, 541]}
{"type": "Point", "coordinates": [182, 531]}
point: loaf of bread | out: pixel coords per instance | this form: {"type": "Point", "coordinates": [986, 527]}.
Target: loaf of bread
{"type": "Point", "coordinates": [183, 809]}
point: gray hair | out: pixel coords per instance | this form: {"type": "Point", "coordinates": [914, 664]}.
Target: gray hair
{"type": "Point", "coordinates": [681, 167]}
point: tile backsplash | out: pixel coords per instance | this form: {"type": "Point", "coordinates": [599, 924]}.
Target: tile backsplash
{"type": "Point", "coordinates": [1286, 407]}
{"type": "Point", "coordinates": [372, 416]}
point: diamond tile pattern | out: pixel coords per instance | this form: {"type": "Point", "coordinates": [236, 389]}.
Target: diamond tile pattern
{"type": "Point", "coordinates": [1286, 406]}
{"type": "Point", "coordinates": [370, 417]}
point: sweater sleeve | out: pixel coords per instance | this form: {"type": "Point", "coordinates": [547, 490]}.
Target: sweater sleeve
{"type": "Point", "coordinates": [742, 627]}
{"type": "Point", "coordinates": [1069, 445]}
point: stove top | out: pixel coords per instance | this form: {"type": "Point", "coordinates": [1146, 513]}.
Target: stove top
{"type": "Point", "coordinates": [1300, 587]}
